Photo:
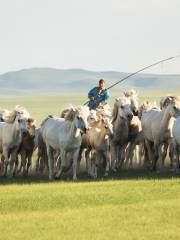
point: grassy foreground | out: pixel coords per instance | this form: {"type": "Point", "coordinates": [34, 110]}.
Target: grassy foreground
{"type": "Point", "coordinates": [131, 208]}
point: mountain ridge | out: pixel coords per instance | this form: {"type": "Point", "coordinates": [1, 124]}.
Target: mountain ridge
{"type": "Point", "coordinates": [44, 80]}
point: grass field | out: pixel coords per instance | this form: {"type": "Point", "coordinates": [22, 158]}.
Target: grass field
{"type": "Point", "coordinates": [128, 205]}
{"type": "Point", "coordinates": [132, 206]}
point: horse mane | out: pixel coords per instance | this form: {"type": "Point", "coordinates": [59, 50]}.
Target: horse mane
{"type": "Point", "coordinates": [73, 110]}
{"type": "Point", "coordinates": [22, 111]}
{"type": "Point", "coordinates": [115, 112]}
{"type": "Point", "coordinates": [70, 115]}
{"type": "Point", "coordinates": [31, 122]}
{"type": "Point", "coordinates": [10, 116]}
{"type": "Point", "coordinates": [130, 93]}
{"type": "Point", "coordinates": [165, 101]}
{"type": "Point", "coordinates": [96, 124]}
{"type": "Point", "coordinates": [147, 105]}
{"type": "Point", "coordinates": [64, 113]}
{"type": "Point", "coordinates": [45, 120]}
{"type": "Point", "coordinates": [3, 114]}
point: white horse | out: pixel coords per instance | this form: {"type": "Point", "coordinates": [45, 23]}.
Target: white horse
{"type": "Point", "coordinates": [122, 114]}
{"type": "Point", "coordinates": [96, 140]}
{"type": "Point", "coordinates": [133, 96]}
{"type": "Point", "coordinates": [11, 133]}
{"type": "Point", "coordinates": [156, 126]}
{"type": "Point", "coordinates": [64, 135]}
{"type": "Point", "coordinates": [176, 143]}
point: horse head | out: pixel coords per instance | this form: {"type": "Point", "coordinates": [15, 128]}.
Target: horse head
{"type": "Point", "coordinates": [122, 108]}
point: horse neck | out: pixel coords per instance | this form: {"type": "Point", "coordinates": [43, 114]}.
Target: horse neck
{"type": "Point", "coordinates": [15, 129]}
{"type": "Point", "coordinates": [134, 101]}
{"type": "Point", "coordinates": [120, 125]}
{"type": "Point", "coordinates": [102, 131]}
{"type": "Point", "coordinates": [74, 131]}
{"type": "Point", "coordinates": [96, 124]}
{"type": "Point", "coordinates": [120, 122]}
{"type": "Point", "coordinates": [165, 118]}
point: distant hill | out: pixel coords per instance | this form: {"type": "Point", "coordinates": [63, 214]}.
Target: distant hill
{"type": "Point", "coordinates": [49, 81]}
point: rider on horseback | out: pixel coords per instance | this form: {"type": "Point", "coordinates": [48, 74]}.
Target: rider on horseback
{"type": "Point", "coordinates": [98, 96]}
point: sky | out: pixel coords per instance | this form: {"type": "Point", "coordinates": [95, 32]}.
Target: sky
{"type": "Point", "coordinates": [100, 35]}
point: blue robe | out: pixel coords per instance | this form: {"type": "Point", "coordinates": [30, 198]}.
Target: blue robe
{"type": "Point", "coordinates": [93, 104]}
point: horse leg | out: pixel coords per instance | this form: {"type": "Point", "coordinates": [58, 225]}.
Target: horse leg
{"type": "Point", "coordinates": [1, 165]}
{"type": "Point", "coordinates": [155, 155]}
{"type": "Point", "coordinates": [50, 161]}
{"type": "Point", "coordinates": [21, 165]}
{"type": "Point", "coordinates": [13, 160]}
{"type": "Point", "coordinates": [92, 161]}
{"type": "Point", "coordinates": [63, 164]}
{"type": "Point", "coordinates": [131, 154]}
{"type": "Point", "coordinates": [142, 154]}
{"type": "Point", "coordinates": [128, 154]}
{"type": "Point", "coordinates": [160, 156]}
{"type": "Point", "coordinates": [75, 159]}
{"type": "Point", "coordinates": [164, 153]}
{"type": "Point", "coordinates": [45, 162]}
{"type": "Point", "coordinates": [58, 163]}
{"type": "Point", "coordinates": [22, 162]}
{"type": "Point", "coordinates": [114, 150]}
{"type": "Point", "coordinates": [175, 155]}
{"type": "Point", "coordinates": [16, 166]}
{"type": "Point", "coordinates": [150, 157]}
{"type": "Point", "coordinates": [107, 159]}
{"type": "Point", "coordinates": [122, 156]}
{"type": "Point", "coordinates": [6, 161]}
{"type": "Point", "coordinates": [79, 159]}
{"type": "Point", "coordinates": [29, 162]}
{"type": "Point", "coordinates": [38, 161]}
{"type": "Point", "coordinates": [88, 162]}
{"type": "Point", "coordinates": [96, 161]}
{"type": "Point", "coordinates": [172, 152]}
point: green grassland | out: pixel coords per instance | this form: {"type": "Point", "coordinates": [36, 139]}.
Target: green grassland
{"type": "Point", "coordinates": [114, 209]}
{"type": "Point", "coordinates": [128, 205]}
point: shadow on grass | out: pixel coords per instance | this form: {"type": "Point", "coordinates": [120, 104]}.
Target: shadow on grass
{"type": "Point", "coordinates": [121, 175]}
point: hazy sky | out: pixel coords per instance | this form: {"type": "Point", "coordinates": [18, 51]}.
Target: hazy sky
{"type": "Point", "coordinates": [122, 35]}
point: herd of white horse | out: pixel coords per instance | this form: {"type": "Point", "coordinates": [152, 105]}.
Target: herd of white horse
{"type": "Point", "coordinates": [132, 135]}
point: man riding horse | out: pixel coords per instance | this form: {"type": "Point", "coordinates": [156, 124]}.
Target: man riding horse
{"type": "Point", "coordinates": [98, 96]}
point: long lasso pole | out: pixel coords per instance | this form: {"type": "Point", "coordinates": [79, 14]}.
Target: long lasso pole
{"type": "Point", "coordinates": [142, 69]}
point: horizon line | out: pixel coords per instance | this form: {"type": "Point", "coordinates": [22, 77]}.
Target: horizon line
{"type": "Point", "coordinates": [85, 69]}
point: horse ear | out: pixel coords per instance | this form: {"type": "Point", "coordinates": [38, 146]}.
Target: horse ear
{"type": "Point", "coordinates": [30, 120]}
{"type": "Point", "coordinates": [170, 98]}
{"type": "Point", "coordinates": [167, 100]}
{"type": "Point", "coordinates": [102, 119]}
{"type": "Point", "coordinates": [133, 92]}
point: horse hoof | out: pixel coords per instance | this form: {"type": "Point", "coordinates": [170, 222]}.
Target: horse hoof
{"type": "Point", "coordinates": [10, 176]}
{"type": "Point", "coordinates": [51, 178]}
{"type": "Point", "coordinates": [24, 174]}
{"type": "Point", "coordinates": [106, 174]}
